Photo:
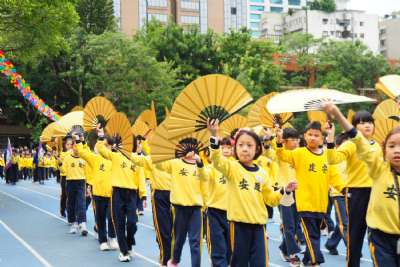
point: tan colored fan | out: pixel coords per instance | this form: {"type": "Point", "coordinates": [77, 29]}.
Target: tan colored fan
{"type": "Point", "coordinates": [119, 128]}
{"type": "Point", "coordinates": [47, 133]}
{"type": "Point", "coordinates": [70, 122]}
{"type": "Point", "coordinates": [212, 96]}
{"type": "Point", "coordinates": [389, 85]}
{"type": "Point", "coordinates": [259, 115]}
{"type": "Point", "coordinates": [167, 112]}
{"type": "Point", "coordinates": [140, 128]}
{"type": "Point", "coordinates": [163, 148]}
{"type": "Point", "coordinates": [149, 117]}
{"type": "Point", "coordinates": [233, 124]}
{"type": "Point", "coordinates": [77, 108]}
{"type": "Point", "coordinates": [98, 110]}
{"type": "Point", "coordinates": [350, 115]}
{"type": "Point", "coordinates": [319, 116]}
{"type": "Point", "coordinates": [386, 116]}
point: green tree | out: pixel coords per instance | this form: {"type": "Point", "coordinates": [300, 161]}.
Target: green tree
{"type": "Point", "coordinates": [191, 53]}
{"type": "Point", "coordinates": [96, 16]}
{"type": "Point", "coordinates": [30, 29]}
{"type": "Point", "coordinates": [323, 5]}
{"type": "Point", "coordinates": [258, 72]}
{"type": "Point", "coordinates": [348, 65]}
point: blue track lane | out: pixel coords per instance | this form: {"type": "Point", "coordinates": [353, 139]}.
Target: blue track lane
{"type": "Point", "coordinates": [31, 212]}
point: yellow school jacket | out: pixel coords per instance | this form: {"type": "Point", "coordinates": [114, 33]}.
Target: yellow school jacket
{"type": "Point", "coordinates": [249, 189]}
{"type": "Point", "coordinates": [101, 170]}
{"type": "Point", "coordinates": [313, 175]}
{"type": "Point", "coordinates": [122, 168]}
{"type": "Point", "coordinates": [383, 210]}
{"type": "Point", "coordinates": [357, 170]}
{"type": "Point", "coordinates": [214, 187]}
{"type": "Point", "coordinates": [140, 179]}
{"type": "Point", "coordinates": [2, 163]}
{"type": "Point", "coordinates": [74, 168]}
{"type": "Point", "coordinates": [270, 166]}
{"type": "Point", "coordinates": [342, 172]}
{"type": "Point", "coordinates": [185, 183]}
{"type": "Point", "coordinates": [160, 180]}
{"type": "Point", "coordinates": [62, 158]}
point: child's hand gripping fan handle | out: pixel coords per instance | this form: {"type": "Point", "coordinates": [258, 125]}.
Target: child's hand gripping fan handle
{"type": "Point", "coordinates": [287, 199]}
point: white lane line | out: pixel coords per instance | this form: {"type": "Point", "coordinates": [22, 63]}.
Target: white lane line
{"type": "Point", "coordinates": [65, 221]}
{"type": "Point", "coordinates": [37, 192]}
{"type": "Point", "coordinates": [42, 260]}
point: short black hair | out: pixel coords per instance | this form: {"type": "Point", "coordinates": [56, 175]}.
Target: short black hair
{"type": "Point", "coordinates": [362, 116]}
{"type": "Point", "coordinates": [256, 139]}
{"type": "Point", "coordinates": [226, 141]}
{"type": "Point", "coordinates": [314, 125]}
{"type": "Point", "coordinates": [290, 133]}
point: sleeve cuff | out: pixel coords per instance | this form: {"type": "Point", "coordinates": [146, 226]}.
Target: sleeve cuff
{"type": "Point", "coordinates": [200, 164]}
{"type": "Point", "coordinates": [78, 141]}
{"type": "Point", "coordinates": [279, 145]}
{"type": "Point", "coordinates": [352, 133]}
{"type": "Point", "coordinates": [100, 138]}
{"type": "Point", "coordinates": [330, 145]}
{"type": "Point", "coordinates": [143, 198]}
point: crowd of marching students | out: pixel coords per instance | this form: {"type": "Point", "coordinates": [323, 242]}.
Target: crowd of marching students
{"type": "Point", "coordinates": [235, 183]}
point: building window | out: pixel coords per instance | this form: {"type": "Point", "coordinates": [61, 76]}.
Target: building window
{"type": "Point", "coordinates": [325, 21]}
{"type": "Point", "coordinates": [157, 3]}
{"type": "Point", "coordinates": [294, 2]}
{"type": "Point", "coordinates": [361, 23]}
{"type": "Point", "coordinates": [279, 2]}
{"type": "Point", "coordinates": [254, 25]}
{"type": "Point", "coordinates": [382, 42]}
{"type": "Point", "coordinates": [255, 34]}
{"type": "Point", "coordinates": [257, 1]}
{"type": "Point", "coordinates": [255, 17]}
{"type": "Point", "coordinates": [188, 4]}
{"type": "Point", "coordinates": [256, 8]}
{"type": "Point", "coordinates": [355, 35]}
{"type": "Point", "coordinates": [332, 33]}
{"type": "Point", "coordinates": [325, 34]}
{"type": "Point", "coordinates": [361, 35]}
{"type": "Point", "coordinates": [159, 17]}
{"type": "Point", "coordinates": [382, 31]}
{"type": "Point", "coordinates": [275, 9]}
{"type": "Point", "coordinates": [233, 10]}
{"type": "Point", "coordinates": [190, 19]}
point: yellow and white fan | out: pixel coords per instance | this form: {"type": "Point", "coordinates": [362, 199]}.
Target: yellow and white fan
{"type": "Point", "coordinates": [386, 116]}
{"type": "Point", "coordinates": [119, 129]}
{"type": "Point", "coordinates": [140, 128]}
{"type": "Point", "coordinates": [47, 133]}
{"type": "Point", "coordinates": [70, 122]}
{"type": "Point", "coordinates": [164, 148]}
{"type": "Point", "coordinates": [350, 115]}
{"type": "Point", "coordinates": [310, 99]}
{"type": "Point", "coordinates": [98, 110]}
{"type": "Point", "coordinates": [389, 85]}
{"type": "Point", "coordinates": [232, 124]}
{"type": "Point", "coordinates": [149, 117]}
{"type": "Point", "coordinates": [259, 115]}
{"type": "Point", "coordinates": [212, 96]}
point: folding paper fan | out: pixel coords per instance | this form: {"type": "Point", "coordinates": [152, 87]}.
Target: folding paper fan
{"type": "Point", "coordinates": [140, 128]}
{"type": "Point", "coordinates": [389, 85]}
{"type": "Point", "coordinates": [72, 121]}
{"type": "Point", "coordinates": [350, 115]}
{"type": "Point", "coordinates": [77, 108]}
{"type": "Point", "coordinates": [47, 133]}
{"type": "Point", "coordinates": [119, 128]}
{"type": "Point", "coordinates": [166, 112]}
{"type": "Point", "coordinates": [149, 116]}
{"type": "Point", "coordinates": [98, 110]}
{"type": "Point", "coordinates": [384, 122]}
{"type": "Point", "coordinates": [259, 115]}
{"type": "Point", "coordinates": [310, 99]}
{"type": "Point", "coordinates": [317, 115]}
{"type": "Point", "coordinates": [232, 124]}
{"type": "Point", "coordinates": [212, 96]}
{"type": "Point", "coordinates": [163, 148]}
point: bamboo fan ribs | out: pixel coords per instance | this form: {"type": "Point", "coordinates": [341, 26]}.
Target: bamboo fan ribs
{"type": "Point", "coordinates": [212, 96]}
{"type": "Point", "coordinates": [98, 110]}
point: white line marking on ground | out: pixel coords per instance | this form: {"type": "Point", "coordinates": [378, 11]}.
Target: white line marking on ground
{"type": "Point", "coordinates": [42, 260]}
{"type": "Point", "coordinates": [63, 220]}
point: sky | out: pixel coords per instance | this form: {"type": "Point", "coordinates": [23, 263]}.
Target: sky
{"type": "Point", "coordinates": [380, 7]}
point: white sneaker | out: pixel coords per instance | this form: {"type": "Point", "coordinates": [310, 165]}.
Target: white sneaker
{"type": "Point", "coordinates": [104, 246]}
{"type": "Point", "coordinates": [324, 232]}
{"type": "Point", "coordinates": [82, 229]}
{"type": "Point", "coordinates": [113, 243]}
{"type": "Point", "coordinates": [131, 253]}
{"type": "Point", "coordinates": [124, 258]}
{"type": "Point", "coordinates": [74, 228]}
